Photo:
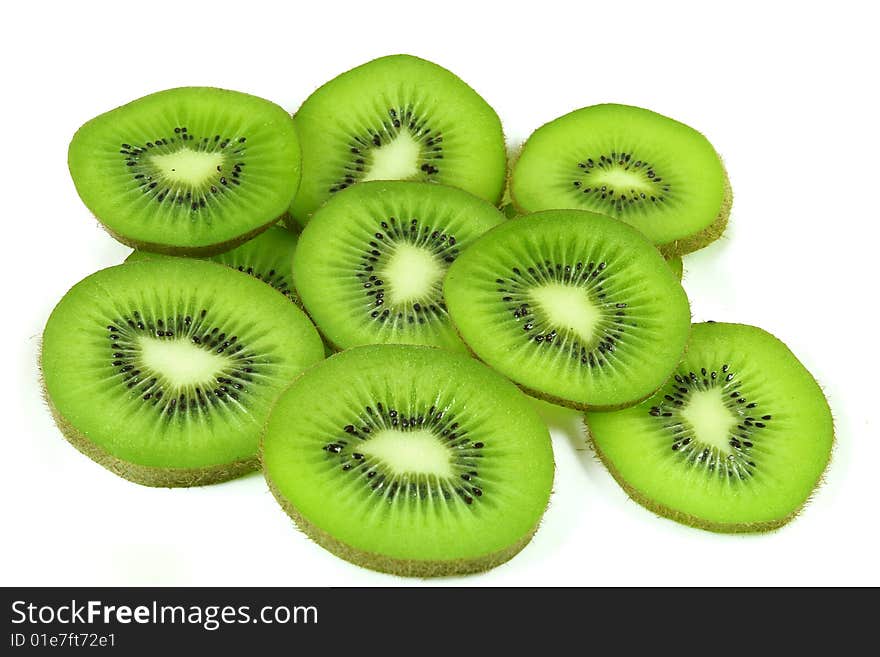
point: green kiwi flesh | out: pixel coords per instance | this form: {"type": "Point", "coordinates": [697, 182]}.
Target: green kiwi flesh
{"type": "Point", "coordinates": [509, 210]}
{"type": "Point", "coordinates": [675, 262]}
{"type": "Point", "coordinates": [164, 370]}
{"type": "Point", "coordinates": [268, 257]}
{"type": "Point", "coordinates": [397, 118]}
{"type": "Point", "coordinates": [187, 171]}
{"type": "Point", "coordinates": [423, 463]}
{"type": "Point", "coordinates": [676, 265]}
{"type": "Point", "coordinates": [575, 307]}
{"type": "Point", "coordinates": [370, 264]}
{"type": "Point", "coordinates": [736, 441]}
{"type": "Point", "coordinates": [648, 170]}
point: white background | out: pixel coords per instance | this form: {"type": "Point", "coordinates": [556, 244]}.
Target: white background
{"type": "Point", "coordinates": [783, 90]}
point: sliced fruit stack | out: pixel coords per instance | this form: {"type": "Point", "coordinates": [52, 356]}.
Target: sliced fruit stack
{"type": "Point", "coordinates": [415, 450]}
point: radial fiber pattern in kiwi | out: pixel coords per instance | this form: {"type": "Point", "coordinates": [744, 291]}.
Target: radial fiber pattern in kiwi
{"type": "Point", "coordinates": [145, 166]}
{"type": "Point", "coordinates": [172, 363]}
{"type": "Point", "coordinates": [650, 171]}
{"type": "Point", "coordinates": [372, 132]}
{"type": "Point", "coordinates": [639, 186]}
{"type": "Point", "coordinates": [574, 306]}
{"type": "Point", "coordinates": [735, 441]}
{"type": "Point", "coordinates": [268, 257]}
{"type": "Point", "coordinates": [235, 367]}
{"type": "Point", "coordinates": [462, 481]}
{"type": "Point", "coordinates": [672, 410]}
{"type": "Point", "coordinates": [425, 462]}
{"type": "Point", "coordinates": [590, 277]}
{"type": "Point", "coordinates": [397, 118]}
{"type": "Point", "coordinates": [190, 170]}
{"type": "Point", "coordinates": [370, 264]}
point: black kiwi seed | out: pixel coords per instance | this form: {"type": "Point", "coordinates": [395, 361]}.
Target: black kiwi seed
{"type": "Point", "coordinates": [685, 443]}
{"type": "Point", "coordinates": [152, 386]}
{"type": "Point", "coordinates": [624, 199]}
{"type": "Point", "coordinates": [385, 130]}
{"type": "Point", "coordinates": [439, 244]}
{"type": "Point", "coordinates": [378, 416]}
{"type": "Point", "coordinates": [150, 179]}
{"type": "Point", "coordinates": [591, 278]}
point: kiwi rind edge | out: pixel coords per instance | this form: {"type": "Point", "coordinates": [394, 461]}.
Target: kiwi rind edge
{"type": "Point", "coordinates": [147, 475]}
{"type": "Point", "coordinates": [709, 234]}
{"type": "Point", "coordinates": [191, 251]}
{"type": "Point", "coordinates": [390, 565]}
{"type": "Point", "coordinates": [693, 521]}
{"type": "Point", "coordinates": [506, 204]}
{"type": "Point", "coordinates": [379, 562]}
{"type": "Point", "coordinates": [330, 347]}
{"type": "Point", "coordinates": [677, 247]}
{"type": "Point", "coordinates": [567, 403]}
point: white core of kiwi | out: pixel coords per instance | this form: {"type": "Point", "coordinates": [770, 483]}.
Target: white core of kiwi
{"type": "Point", "coordinates": [710, 418]}
{"type": "Point", "coordinates": [567, 307]}
{"type": "Point", "coordinates": [417, 452]}
{"type": "Point", "coordinates": [181, 363]}
{"type": "Point", "coordinates": [396, 160]}
{"type": "Point", "coordinates": [623, 180]}
{"type": "Point", "coordinates": [411, 273]}
{"type": "Point", "coordinates": [188, 166]}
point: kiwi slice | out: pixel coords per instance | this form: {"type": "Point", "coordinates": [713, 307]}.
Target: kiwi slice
{"type": "Point", "coordinates": [575, 307]}
{"type": "Point", "coordinates": [268, 257]}
{"type": "Point", "coordinates": [164, 371]}
{"type": "Point", "coordinates": [422, 463]}
{"type": "Point", "coordinates": [188, 171]}
{"type": "Point", "coordinates": [397, 118]}
{"type": "Point", "coordinates": [736, 441]}
{"type": "Point", "coordinates": [638, 166]}
{"type": "Point", "coordinates": [370, 264]}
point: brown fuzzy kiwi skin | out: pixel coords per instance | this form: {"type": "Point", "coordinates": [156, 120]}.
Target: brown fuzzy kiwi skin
{"type": "Point", "coordinates": [146, 475]}
{"type": "Point", "coordinates": [190, 251]}
{"type": "Point", "coordinates": [567, 403]}
{"type": "Point", "coordinates": [691, 520]}
{"type": "Point", "coordinates": [390, 565]}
